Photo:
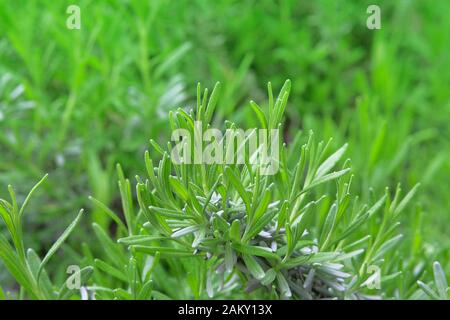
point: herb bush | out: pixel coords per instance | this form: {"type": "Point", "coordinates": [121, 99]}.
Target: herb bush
{"type": "Point", "coordinates": [372, 89]}
{"type": "Point", "coordinates": [226, 231]}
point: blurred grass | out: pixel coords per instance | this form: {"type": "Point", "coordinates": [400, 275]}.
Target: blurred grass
{"type": "Point", "coordinates": [75, 102]}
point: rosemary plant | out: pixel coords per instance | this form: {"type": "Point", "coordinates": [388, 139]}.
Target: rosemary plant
{"type": "Point", "coordinates": [234, 231]}
{"type": "Point", "coordinates": [227, 231]}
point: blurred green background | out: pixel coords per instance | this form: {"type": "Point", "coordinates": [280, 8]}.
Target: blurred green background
{"type": "Point", "coordinates": [74, 103]}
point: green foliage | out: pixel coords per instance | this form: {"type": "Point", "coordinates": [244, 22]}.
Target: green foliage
{"type": "Point", "coordinates": [226, 230]}
{"type": "Point", "coordinates": [76, 102]}
{"type": "Point", "coordinates": [280, 236]}
{"type": "Point", "coordinates": [26, 266]}
{"type": "Point", "coordinates": [442, 290]}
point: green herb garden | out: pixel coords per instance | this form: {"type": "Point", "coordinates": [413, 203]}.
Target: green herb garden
{"type": "Point", "coordinates": [97, 203]}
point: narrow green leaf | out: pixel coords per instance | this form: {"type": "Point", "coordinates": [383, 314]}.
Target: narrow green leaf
{"type": "Point", "coordinates": [212, 103]}
{"type": "Point", "coordinates": [112, 271]}
{"type": "Point", "coordinates": [259, 113]}
{"type": "Point", "coordinates": [160, 296]}
{"type": "Point", "coordinates": [406, 199]}
{"type": "Point", "coordinates": [44, 284]}
{"type": "Point", "coordinates": [269, 277]}
{"type": "Point", "coordinates": [236, 182]}
{"type": "Point", "coordinates": [156, 146]}
{"type": "Point", "coordinates": [146, 291]}
{"type": "Point", "coordinates": [348, 255]}
{"type": "Point", "coordinates": [140, 239]}
{"type": "Point", "coordinates": [27, 199]}
{"type": "Point", "coordinates": [430, 293]}
{"type": "Point", "coordinates": [283, 286]}
{"type": "Point", "coordinates": [328, 177]}
{"type": "Point", "coordinates": [179, 188]}
{"type": "Point", "coordinates": [297, 261]}
{"type": "Point", "coordinates": [164, 251]}
{"type": "Point", "coordinates": [386, 246]}
{"type": "Point", "coordinates": [110, 213]}
{"type": "Point", "coordinates": [13, 265]}
{"type": "Point", "coordinates": [169, 213]}
{"type": "Point", "coordinates": [59, 242]}
{"type": "Point", "coordinates": [263, 204]}
{"type": "Point", "coordinates": [259, 225]}
{"type": "Point", "coordinates": [328, 226]}
{"type": "Point", "coordinates": [109, 246]}
{"type": "Point", "coordinates": [184, 231]}
{"type": "Point", "coordinates": [235, 231]}
{"type": "Point", "coordinates": [253, 266]}
{"type": "Point", "coordinates": [331, 161]}
{"type": "Point", "coordinates": [376, 206]}
{"type": "Point", "coordinates": [441, 280]}
{"type": "Point", "coordinates": [255, 251]}
{"type": "Point", "coordinates": [230, 257]}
